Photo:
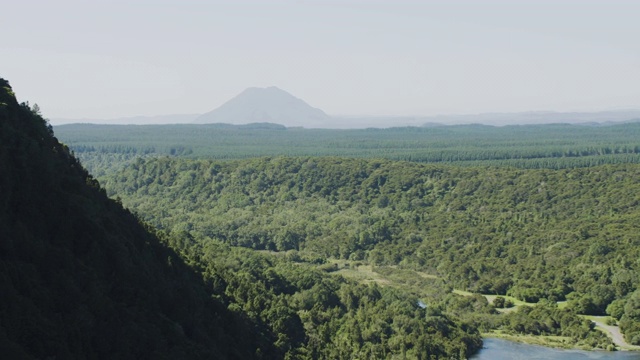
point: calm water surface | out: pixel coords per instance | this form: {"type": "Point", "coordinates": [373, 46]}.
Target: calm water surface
{"type": "Point", "coordinates": [498, 349]}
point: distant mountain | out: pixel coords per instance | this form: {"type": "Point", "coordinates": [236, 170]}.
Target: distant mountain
{"type": "Point", "coordinates": [271, 104]}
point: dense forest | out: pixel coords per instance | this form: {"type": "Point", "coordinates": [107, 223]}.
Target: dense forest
{"type": "Point", "coordinates": [84, 278]}
{"type": "Point", "coordinates": [558, 235]}
{"type": "Point", "coordinates": [525, 146]}
{"type": "Point", "coordinates": [513, 230]}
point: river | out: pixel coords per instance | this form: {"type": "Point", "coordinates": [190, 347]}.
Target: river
{"type": "Point", "coordinates": [499, 349]}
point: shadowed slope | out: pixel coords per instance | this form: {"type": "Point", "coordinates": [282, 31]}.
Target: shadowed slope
{"type": "Point", "coordinates": [80, 277]}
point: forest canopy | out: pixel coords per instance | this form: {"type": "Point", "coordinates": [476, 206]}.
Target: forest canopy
{"type": "Point", "coordinates": [559, 235]}
{"type": "Point", "coordinates": [524, 146]}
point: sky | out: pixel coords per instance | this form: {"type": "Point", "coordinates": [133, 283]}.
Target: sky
{"type": "Point", "coordinates": [108, 59]}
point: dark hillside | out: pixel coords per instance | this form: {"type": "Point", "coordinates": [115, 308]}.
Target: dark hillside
{"type": "Point", "coordinates": [80, 277]}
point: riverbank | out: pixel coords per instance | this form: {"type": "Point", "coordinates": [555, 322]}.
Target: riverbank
{"type": "Point", "coordinates": [560, 342]}
{"type": "Point", "coordinates": [502, 349]}
{"type": "Point", "coordinates": [414, 281]}
{"type": "Point", "coordinates": [565, 342]}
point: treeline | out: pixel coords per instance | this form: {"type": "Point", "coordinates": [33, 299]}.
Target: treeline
{"type": "Point", "coordinates": [527, 146]}
{"type": "Point", "coordinates": [534, 234]}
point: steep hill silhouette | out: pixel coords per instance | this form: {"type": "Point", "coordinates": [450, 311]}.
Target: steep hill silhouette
{"type": "Point", "coordinates": [81, 277]}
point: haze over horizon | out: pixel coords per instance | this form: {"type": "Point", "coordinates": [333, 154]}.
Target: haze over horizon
{"type": "Point", "coordinates": [107, 60]}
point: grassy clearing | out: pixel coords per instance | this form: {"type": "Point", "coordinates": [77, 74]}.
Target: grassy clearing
{"type": "Point", "coordinates": [563, 342]}
{"type": "Point", "coordinates": [424, 286]}
{"type": "Point", "coordinates": [562, 304]}
{"type": "Point", "coordinates": [427, 276]}
{"type": "Point", "coordinates": [383, 275]}
{"type": "Point", "coordinates": [462, 292]}
{"type": "Point", "coordinates": [515, 301]}
{"type": "Point", "coordinates": [597, 319]}
{"type": "Point", "coordinates": [363, 273]}
{"type": "Point", "coordinates": [490, 299]}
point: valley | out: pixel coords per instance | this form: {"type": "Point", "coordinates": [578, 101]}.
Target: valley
{"type": "Point", "coordinates": [320, 180]}
{"type": "Point", "coordinates": [545, 236]}
{"type": "Point", "coordinates": [311, 257]}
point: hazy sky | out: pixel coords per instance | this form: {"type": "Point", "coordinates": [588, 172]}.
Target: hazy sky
{"type": "Point", "coordinates": [106, 59]}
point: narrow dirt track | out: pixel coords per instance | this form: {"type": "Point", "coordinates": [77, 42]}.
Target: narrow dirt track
{"type": "Point", "coordinates": [615, 335]}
